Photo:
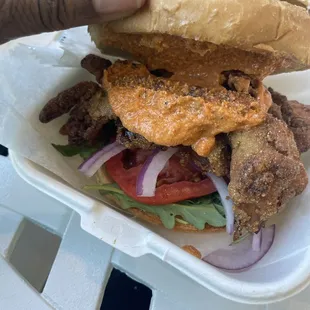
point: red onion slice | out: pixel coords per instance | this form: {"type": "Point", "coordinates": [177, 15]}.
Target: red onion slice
{"type": "Point", "coordinates": [239, 257]}
{"type": "Point", "coordinates": [222, 189]}
{"type": "Point", "coordinates": [91, 165]}
{"type": "Point", "coordinates": [257, 241]}
{"type": "Point", "coordinates": [147, 179]}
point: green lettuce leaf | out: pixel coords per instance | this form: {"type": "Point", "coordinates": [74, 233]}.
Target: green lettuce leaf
{"type": "Point", "coordinates": [72, 150]}
{"type": "Point", "coordinates": [85, 151]}
{"type": "Point", "coordinates": [197, 212]}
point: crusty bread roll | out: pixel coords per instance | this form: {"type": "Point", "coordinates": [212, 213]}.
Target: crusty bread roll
{"type": "Point", "coordinates": [302, 3]}
{"type": "Point", "coordinates": [279, 28]}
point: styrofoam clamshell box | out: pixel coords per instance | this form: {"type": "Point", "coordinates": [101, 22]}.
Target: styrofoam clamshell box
{"type": "Point", "coordinates": [283, 272]}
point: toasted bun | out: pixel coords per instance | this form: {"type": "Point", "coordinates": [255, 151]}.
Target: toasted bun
{"type": "Point", "coordinates": [302, 3]}
{"type": "Point", "coordinates": [279, 28]}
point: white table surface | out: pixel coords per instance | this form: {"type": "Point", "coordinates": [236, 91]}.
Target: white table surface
{"type": "Point", "coordinates": [83, 263]}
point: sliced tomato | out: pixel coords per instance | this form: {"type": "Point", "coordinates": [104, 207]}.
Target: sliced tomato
{"type": "Point", "coordinates": [175, 182]}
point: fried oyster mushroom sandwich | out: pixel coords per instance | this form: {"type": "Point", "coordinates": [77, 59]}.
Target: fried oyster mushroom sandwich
{"type": "Point", "coordinates": [184, 133]}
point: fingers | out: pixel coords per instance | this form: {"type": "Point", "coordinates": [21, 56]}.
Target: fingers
{"type": "Point", "coordinates": [26, 17]}
{"type": "Point", "coordinates": [59, 14]}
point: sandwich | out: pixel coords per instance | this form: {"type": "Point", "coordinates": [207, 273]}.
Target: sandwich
{"type": "Point", "coordinates": [180, 129]}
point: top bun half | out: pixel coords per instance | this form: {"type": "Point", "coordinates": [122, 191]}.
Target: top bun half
{"type": "Point", "coordinates": [281, 28]}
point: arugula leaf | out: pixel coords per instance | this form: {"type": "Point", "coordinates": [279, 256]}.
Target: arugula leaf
{"type": "Point", "coordinates": [106, 188]}
{"type": "Point", "coordinates": [72, 150]}
{"type": "Point", "coordinates": [197, 212]}
{"type": "Point", "coordinates": [67, 150]}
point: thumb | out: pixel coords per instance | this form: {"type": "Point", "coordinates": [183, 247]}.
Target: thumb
{"type": "Point", "coordinates": [113, 9]}
{"type": "Point", "coordinates": [84, 12]}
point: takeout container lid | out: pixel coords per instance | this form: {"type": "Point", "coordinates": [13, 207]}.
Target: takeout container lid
{"type": "Point", "coordinates": [265, 283]}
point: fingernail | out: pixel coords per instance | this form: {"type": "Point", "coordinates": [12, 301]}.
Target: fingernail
{"type": "Point", "coordinates": [117, 6]}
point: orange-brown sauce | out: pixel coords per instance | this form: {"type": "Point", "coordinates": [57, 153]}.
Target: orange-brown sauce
{"type": "Point", "coordinates": [169, 116]}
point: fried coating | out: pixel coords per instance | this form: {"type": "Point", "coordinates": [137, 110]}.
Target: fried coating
{"type": "Point", "coordinates": [132, 140]}
{"type": "Point", "coordinates": [171, 113]}
{"type": "Point", "coordinates": [95, 65]}
{"type": "Point", "coordinates": [241, 84]}
{"type": "Point", "coordinates": [266, 172]}
{"type": "Point", "coordinates": [88, 118]}
{"type": "Point", "coordinates": [89, 112]}
{"type": "Point", "coordinates": [192, 250]}
{"type": "Point", "coordinates": [67, 99]}
{"type": "Point", "coordinates": [220, 157]}
{"type": "Point", "coordinates": [217, 162]}
{"type": "Point", "coordinates": [275, 110]}
{"type": "Point", "coordinates": [297, 117]}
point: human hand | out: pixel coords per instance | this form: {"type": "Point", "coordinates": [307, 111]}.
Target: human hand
{"type": "Point", "coordinates": [26, 17]}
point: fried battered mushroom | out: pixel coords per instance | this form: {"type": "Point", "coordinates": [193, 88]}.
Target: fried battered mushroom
{"type": "Point", "coordinates": [89, 112]}
{"type": "Point", "coordinates": [88, 119]}
{"type": "Point", "coordinates": [266, 172]}
{"type": "Point", "coordinates": [66, 100]}
{"type": "Point", "coordinates": [95, 65]}
{"type": "Point", "coordinates": [297, 116]}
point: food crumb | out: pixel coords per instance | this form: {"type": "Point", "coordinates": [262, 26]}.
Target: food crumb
{"type": "Point", "coordinates": [192, 250]}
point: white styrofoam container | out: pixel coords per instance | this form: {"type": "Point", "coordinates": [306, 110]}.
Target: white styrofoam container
{"type": "Point", "coordinates": [288, 273]}
{"type": "Point", "coordinates": [283, 272]}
